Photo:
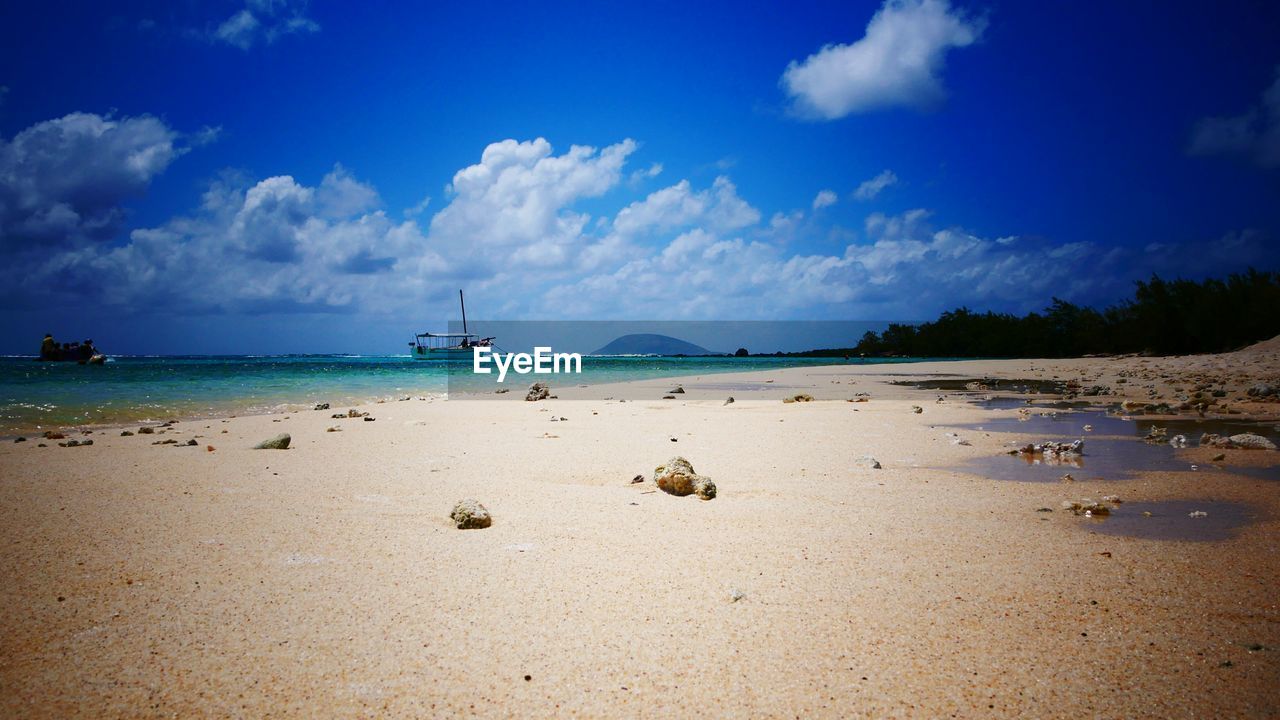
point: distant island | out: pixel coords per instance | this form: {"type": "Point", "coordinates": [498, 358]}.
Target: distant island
{"type": "Point", "coordinates": [651, 344]}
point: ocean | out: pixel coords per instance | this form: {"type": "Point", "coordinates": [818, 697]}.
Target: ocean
{"type": "Point", "coordinates": [131, 389]}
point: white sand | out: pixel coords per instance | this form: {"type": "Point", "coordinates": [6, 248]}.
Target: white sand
{"type": "Point", "coordinates": [328, 580]}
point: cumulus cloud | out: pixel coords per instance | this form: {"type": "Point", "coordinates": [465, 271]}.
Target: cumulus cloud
{"type": "Point", "coordinates": [279, 244]}
{"type": "Point", "coordinates": [513, 232]}
{"type": "Point", "coordinates": [516, 203]}
{"type": "Point", "coordinates": [264, 21]}
{"type": "Point", "coordinates": [62, 181]}
{"type": "Point", "coordinates": [897, 63]}
{"type": "Point", "coordinates": [271, 246]}
{"type": "Point", "coordinates": [824, 198]}
{"type": "Point", "coordinates": [1253, 135]}
{"type": "Point", "coordinates": [869, 189]}
{"type": "Point", "coordinates": [905, 267]}
{"type": "Point", "coordinates": [679, 205]}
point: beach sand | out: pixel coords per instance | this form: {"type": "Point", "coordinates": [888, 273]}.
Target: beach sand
{"type": "Point", "coordinates": [328, 580]}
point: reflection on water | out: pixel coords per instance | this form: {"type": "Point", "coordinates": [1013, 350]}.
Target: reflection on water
{"type": "Point", "coordinates": [1059, 424]}
{"type": "Point", "coordinates": [1001, 403]}
{"type": "Point", "coordinates": [1057, 420]}
{"type": "Point", "coordinates": [1113, 448]}
{"type": "Point", "coordinates": [1193, 428]}
{"type": "Point", "coordinates": [1104, 459]}
{"type": "Point", "coordinates": [1175, 520]}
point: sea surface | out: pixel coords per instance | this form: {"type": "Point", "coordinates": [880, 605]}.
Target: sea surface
{"type": "Point", "coordinates": [136, 388]}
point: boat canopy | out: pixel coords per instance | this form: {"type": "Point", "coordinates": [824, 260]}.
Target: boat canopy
{"type": "Point", "coordinates": [447, 335]}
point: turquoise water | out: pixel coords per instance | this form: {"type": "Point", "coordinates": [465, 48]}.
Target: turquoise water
{"type": "Point", "coordinates": [129, 389]}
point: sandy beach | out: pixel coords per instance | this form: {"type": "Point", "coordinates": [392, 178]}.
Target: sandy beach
{"type": "Point", "coordinates": [217, 580]}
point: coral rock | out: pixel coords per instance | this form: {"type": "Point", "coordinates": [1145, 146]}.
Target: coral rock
{"type": "Point", "coordinates": [1251, 441]}
{"type": "Point", "coordinates": [677, 477]}
{"type": "Point", "coordinates": [469, 514]}
{"type": "Point", "coordinates": [279, 442]}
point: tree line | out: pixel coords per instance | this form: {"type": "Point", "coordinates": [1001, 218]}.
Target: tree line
{"type": "Point", "coordinates": [1163, 318]}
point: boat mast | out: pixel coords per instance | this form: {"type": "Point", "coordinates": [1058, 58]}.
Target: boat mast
{"type": "Point", "coordinates": [463, 303]}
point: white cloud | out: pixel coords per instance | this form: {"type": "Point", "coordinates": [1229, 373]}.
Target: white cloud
{"type": "Point", "coordinates": [869, 189]}
{"type": "Point", "coordinates": [1254, 135]}
{"type": "Point", "coordinates": [279, 245]}
{"type": "Point", "coordinates": [240, 30]}
{"type": "Point", "coordinates": [680, 206]}
{"type": "Point", "coordinates": [824, 198]}
{"type": "Point", "coordinates": [341, 195]}
{"type": "Point", "coordinates": [904, 269]}
{"type": "Point", "coordinates": [897, 63]}
{"type": "Point", "coordinates": [206, 135]}
{"type": "Point", "coordinates": [513, 233]}
{"type": "Point", "coordinates": [62, 181]}
{"type": "Point", "coordinates": [264, 21]}
{"type": "Point", "coordinates": [516, 204]}
{"type": "Point", "coordinates": [669, 207]}
{"type": "Point", "coordinates": [274, 246]}
{"type": "Point", "coordinates": [416, 210]}
{"type": "Point", "coordinates": [653, 171]}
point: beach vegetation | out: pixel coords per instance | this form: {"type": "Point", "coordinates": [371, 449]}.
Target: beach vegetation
{"type": "Point", "coordinates": [1164, 317]}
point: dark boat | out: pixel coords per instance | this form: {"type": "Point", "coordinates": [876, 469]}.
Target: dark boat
{"type": "Point", "coordinates": [83, 354]}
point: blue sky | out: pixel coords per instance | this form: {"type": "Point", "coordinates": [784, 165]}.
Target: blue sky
{"type": "Point", "coordinates": [279, 176]}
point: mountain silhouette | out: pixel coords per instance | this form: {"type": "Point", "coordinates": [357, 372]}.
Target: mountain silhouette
{"type": "Point", "coordinates": [651, 344]}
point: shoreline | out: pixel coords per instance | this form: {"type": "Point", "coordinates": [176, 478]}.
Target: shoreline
{"type": "Point", "coordinates": [1260, 412]}
{"type": "Point", "coordinates": [234, 407]}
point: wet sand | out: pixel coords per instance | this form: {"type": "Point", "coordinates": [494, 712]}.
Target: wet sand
{"type": "Point", "coordinates": [148, 580]}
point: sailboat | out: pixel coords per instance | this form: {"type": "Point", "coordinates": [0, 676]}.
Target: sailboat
{"type": "Point", "coordinates": [448, 346]}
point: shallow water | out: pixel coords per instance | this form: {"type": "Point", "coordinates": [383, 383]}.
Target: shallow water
{"type": "Point", "coordinates": [1171, 520]}
{"type": "Point", "coordinates": [134, 388]}
{"type": "Point", "coordinates": [1051, 419]}
{"type": "Point", "coordinates": [954, 384]}
{"type": "Point", "coordinates": [1001, 403]}
{"type": "Point", "coordinates": [742, 387]}
{"type": "Point", "coordinates": [1058, 424]}
{"type": "Point", "coordinates": [1193, 428]}
{"type": "Point", "coordinates": [1113, 449]}
{"type": "Point", "coordinates": [140, 388]}
{"type": "Point", "coordinates": [1104, 459]}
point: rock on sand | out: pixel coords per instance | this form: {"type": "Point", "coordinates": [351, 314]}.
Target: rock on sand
{"type": "Point", "coordinates": [279, 442]}
{"type": "Point", "coordinates": [1252, 442]}
{"type": "Point", "coordinates": [677, 477]}
{"type": "Point", "coordinates": [470, 514]}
